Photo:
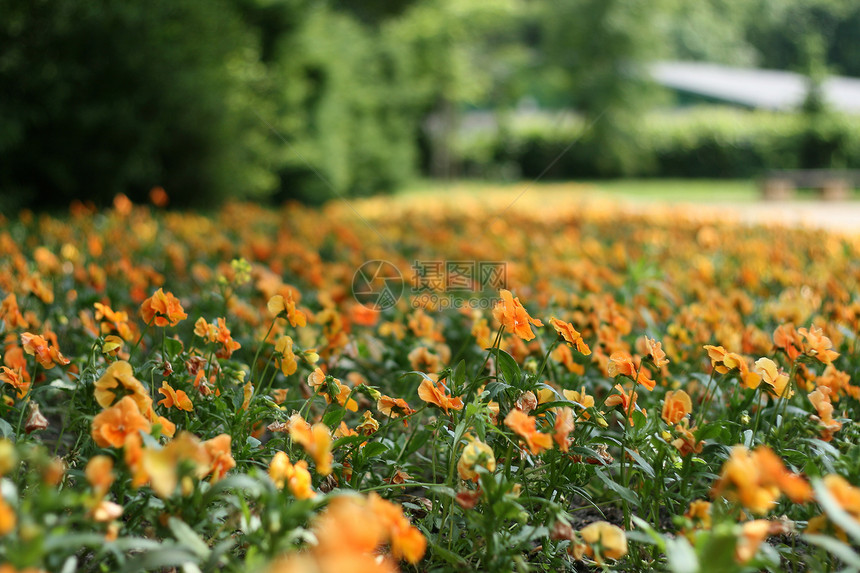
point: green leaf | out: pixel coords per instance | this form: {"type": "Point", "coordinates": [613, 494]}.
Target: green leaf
{"type": "Point", "coordinates": [58, 543]}
{"type": "Point", "coordinates": [682, 558]}
{"type": "Point", "coordinates": [373, 449]}
{"type": "Point", "coordinates": [6, 428]}
{"type": "Point", "coordinates": [187, 537]}
{"type": "Point", "coordinates": [219, 550]}
{"type": "Point", "coordinates": [836, 548]}
{"type": "Point", "coordinates": [652, 533]}
{"type": "Point", "coordinates": [158, 559]}
{"type": "Point", "coordinates": [626, 494]}
{"type": "Point", "coordinates": [459, 374]}
{"type": "Point", "coordinates": [238, 481]}
{"type": "Point", "coordinates": [449, 556]}
{"type": "Point", "coordinates": [508, 367]}
{"type": "Point", "coordinates": [640, 461]}
{"type": "Point", "coordinates": [172, 346]}
{"type": "Point", "coordinates": [333, 418]}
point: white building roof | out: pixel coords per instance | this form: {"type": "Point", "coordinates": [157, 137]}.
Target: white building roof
{"type": "Point", "coordinates": [768, 89]}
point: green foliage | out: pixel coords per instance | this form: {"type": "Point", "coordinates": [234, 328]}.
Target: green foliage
{"type": "Point", "coordinates": [109, 97]}
{"type": "Point", "coordinates": [706, 142]}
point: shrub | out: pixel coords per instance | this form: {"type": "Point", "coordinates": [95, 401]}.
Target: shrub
{"type": "Point", "coordinates": [703, 142]}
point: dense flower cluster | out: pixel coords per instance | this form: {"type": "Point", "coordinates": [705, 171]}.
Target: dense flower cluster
{"type": "Point", "coordinates": [206, 389]}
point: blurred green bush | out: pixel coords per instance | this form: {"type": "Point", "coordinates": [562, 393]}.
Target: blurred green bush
{"type": "Point", "coordinates": [712, 142]}
{"type": "Point", "coordinates": [206, 98]}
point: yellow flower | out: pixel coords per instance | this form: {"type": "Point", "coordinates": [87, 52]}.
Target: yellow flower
{"type": "Point", "coordinates": [278, 305]}
{"type": "Point", "coordinates": [287, 360]}
{"type": "Point", "coordinates": [296, 477]}
{"type": "Point", "coordinates": [776, 379]}
{"type": "Point", "coordinates": [474, 454]}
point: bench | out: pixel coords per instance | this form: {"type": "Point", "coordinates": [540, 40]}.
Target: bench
{"type": "Point", "coordinates": [832, 184]}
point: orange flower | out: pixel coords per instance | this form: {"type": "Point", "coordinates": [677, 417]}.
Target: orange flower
{"type": "Point", "coordinates": [15, 379]}
{"type": "Point", "coordinates": [368, 424]}
{"type": "Point", "coordinates": [287, 360]}
{"type": "Point", "coordinates": [407, 542]}
{"type": "Point", "coordinates": [787, 339]}
{"type": "Point", "coordinates": [603, 540]}
{"type": "Point", "coordinates": [627, 402]}
{"type": "Point", "coordinates": [776, 379]}
{"type": "Point", "coordinates": [113, 321]}
{"type": "Point", "coordinates": [845, 494]}
{"type": "Point", "coordinates": [362, 315]}
{"type": "Point", "coordinates": [177, 398]}
{"type": "Point", "coordinates": [562, 428]}
{"type": "Point", "coordinates": [524, 425]}
{"type": "Point", "coordinates": [393, 407]}
{"type": "Point", "coordinates": [621, 363]}
{"type": "Point", "coordinates": [335, 390]}
{"type": "Point", "coordinates": [296, 477]}
{"type": "Point", "coordinates": [100, 474]}
{"type": "Point", "coordinates": [278, 306]}
{"type": "Point", "coordinates": [10, 313]}
{"type": "Point", "coordinates": [8, 518]}
{"type": "Point", "coordinates": [46, 355]}
{"type": "Point", "coordinates": [655, 352]}
{"type": "Point", "coordinates": [676, 405]}
{"type": "Point", "coordinates": [686, 443]}
{"type": "Point", "coordinates": [222, 337]}
{"type": "Point", "coordinates": [120, 375]}
{"type": "Point", "coordinates": [435, 394]}
{"type": "Point", "coordinates": [160, 466]}
{"type": "Point", "coordinates": [162, 309]}
{"type": "Point", "coordinates": [112, 425]}
{"type": "Point", "coordinates": [220, 458]}
{"type": "Point", "coordinates": [755, 480]}
{"type": "Point", "coordinates": [315, 440]}
{"type": "Point", "coordinates": [723, 362]}
{"type": "Point", "coordinates": [570, 335]}
{"type": "Point", "coordinates": [753, 533]}
{"type": "Point", "coordinates": [818, 345]}
{"type": "Point", "coordinates": [511, 314]}
{"type": "Point", "coordinates": [820, 399]}
{"type": "Point", "coordinates": [580, 398]}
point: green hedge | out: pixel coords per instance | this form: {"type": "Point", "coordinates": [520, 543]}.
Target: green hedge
{"type": "Point", "coordinates": [700, 142]}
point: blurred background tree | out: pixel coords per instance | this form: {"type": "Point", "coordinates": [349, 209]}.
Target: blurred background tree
{"type": "Point", "coordinates": [311, 99]}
